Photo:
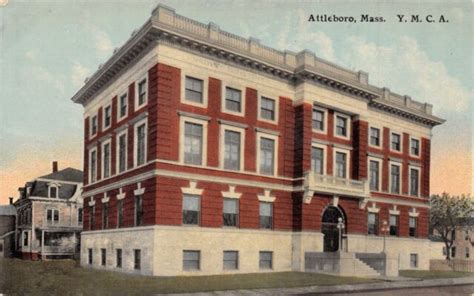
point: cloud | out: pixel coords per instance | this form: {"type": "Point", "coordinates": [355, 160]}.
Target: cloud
{"type": "Point", "coordinates": [405, 66]}
{"type": "Point", "coordinates": [103, 43]}
{"type": "Point", "coordinates": [78, 74]}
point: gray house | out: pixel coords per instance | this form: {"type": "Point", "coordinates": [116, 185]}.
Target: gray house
{"type": "Point", "coordinates": [7, 229]}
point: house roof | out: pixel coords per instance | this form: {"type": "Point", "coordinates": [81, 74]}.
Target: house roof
{"type": "Point", "coordinates": [8, 210]}
{"type": "Point", "coordinates": [67, 174]}
{"type": "Point", "coordinates": [65, 190]}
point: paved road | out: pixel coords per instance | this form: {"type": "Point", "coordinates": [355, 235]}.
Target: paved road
{"type": "Point", "coordinates": [466, 290]}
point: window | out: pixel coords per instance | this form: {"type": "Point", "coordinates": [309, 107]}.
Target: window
{"type": "Point", "coordinates": [93, 166]}
{"type": "Point", "coordinates": [191, 260]}
{"type": "Point", "coordinates": [233, 100]}
{"type": "Point", "coordinates": [267, 156]}
{"type": "Point", "coordinates": [413, 260]}
{"type": "Point", "coordinates": [396, 142]}
{"type": "Point", "coordinates": [137, 259]}
{"type": "Point", "coordinates": [373, 223]}
{"type": "Point", "coordinates": [412, 226]}
{"type": "Point", "coordinates": [193, 143]}
{"type": "Point", "coordinates": [80, 215]}
{"type": "Point", "coordinates": [53, 191]}
{"type": "Point", "coordinates": [453, 252]}
{"type": "Point", "coordinates": [467, 252]}
{"type": "Point", "coordinates": [122, 152]}
{"type": "Point", "coordinates": [123, 105]}
{"type": "Point", "coordinates": [25, 238]}
{"type": "Point", "coordinates": [91, 217]}
{"type": "Point", "coordinates": [231, 150]}
{"type": "Point", "coordinates": [142, 92]}
{"type": "Point", "coordinates": [414, 181]}
{"type": "Point", "coordinates": [267, 109]}
{"type": "Point", "coordinates": [453, 234]}
{"type": "Point", "coordinates": [141, 144]}
{"type": "Point", "coordinates": [94, 125]}
{"type": "Point", "coordinates": [317, 160]}
{"type": "Point", "coordinates": [194, 90]}
{"type": "Point", "coordinates": [318, 120]}
{"type": "Point", "coordinates": [375, 136]}
{"type": "Point", "coordinates": [138, 210]}
{"type": "Point", "coordinates": [118, 257]}
{"type": "Point", "coordinates": [374, 175]}
{"type": "Point", "coordinates": [266, 215]}
{"type": "Point", "coordinates": [231, 212]}
{"type": "Point", "coordinates": [191, 209]}
{"type": "Point", "coordinates": [466, 234]}
{"type": "Point", "coordinates": [394, 178]}
{"type": "Point", "coordinates": [105, 215]}
{"type": "Point", "coordinates": [106, 159]}
{"type": "Point", "coordinates": [341, 163]}
{"type": "Point", "coordinates": [415, 147]}
{"type": "Point", "coordinates": [266, 260]}
{"type": "Point", "coordinates": [342, 126]}
{"type": "Point", "coordinates": [103, 257]}
{"type": "Point", "coordinates": [107, 116]}
{"type": "Point", "coordinates": [231, 260]}
{"type": "Point", "coordinates": [393, 225]}
{"type": "Point", "coordinates": [119, 213]}
{"type": "Point", "coordinates": [52, 216]}
{"type": "Point", "coordinates": [90, 257]}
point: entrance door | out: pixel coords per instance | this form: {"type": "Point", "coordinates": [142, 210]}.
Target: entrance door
{"type": "Point", "coordinates": [329, 228]}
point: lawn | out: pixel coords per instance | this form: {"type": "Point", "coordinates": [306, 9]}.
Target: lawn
{"type": "Point", "coordinates": [428, 274]}
{"type": "Point", "coordinates": [65, 277]}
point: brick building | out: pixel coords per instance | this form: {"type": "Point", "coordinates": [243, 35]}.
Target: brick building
{"type": "Point", "coordinates": [208, 153]}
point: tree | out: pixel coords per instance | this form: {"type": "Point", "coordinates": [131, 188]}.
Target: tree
{"type": "Point", "coordinates": [446, 213]}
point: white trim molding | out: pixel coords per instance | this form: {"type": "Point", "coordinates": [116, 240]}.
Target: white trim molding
{"type": "Point", "coordinates": [348, 161]}
{"type": "Point", "coordinates": [348, 125]}
{"type": "Point", "coordinates": [121, 94]}
{"type": "Point", "coordinates": [91, 203]}
{"type": "Point", "coordinates": [371, 126]}
{"type": "Point", "coordinates": [205, 85]}
{"type": "Point", "coordinates": [231, 193]}
{"type": "Point", "coordinates": [400, 180]}
{"type": "Point", "coordinates": [260, 135]}
{"type": "Point", "coordinates": [373, 208]}
{"type": "Point", "coordinates": [140, 190]}
{"type": "Point", "coordinates": [419, 147]}
{"type": "Point", "coordinates": [223, 128]}
{"type": "Point", "coordinates": [121, 194]}
{"type": "Point", "coordinates": [191, 190]}
{"type": "Point", "coordinates": [325, 155]}
{"type": "Point", "coordinates": [379, 161]}
{"type": "Point", "coordinates": [259, 105]}
{"type": "Point", "coordinates": [413, 213]}
{"type": "Point", "coordinates": [137, 82]}
{"type": "Point", "coordinates": [238, 87]}
{"type": "Point", "coordinates": [325, 120]}
{"type": "Point", "coordinates": [135, 142]}
{"type": "Point", "coordinates": [266, 197]}
{"type": "Point", "coordinates": [183, 119]}
{"type": "Point", "coordinates": [106, 127]}
{"type": "Point", "coordinates": [418, 169]}
{"type": "Point", "coordinates": [401, 142]}
{"type": "Point", "coordinates": [394, 211]}
{"type": "Point", "coordinates": [106, 198]}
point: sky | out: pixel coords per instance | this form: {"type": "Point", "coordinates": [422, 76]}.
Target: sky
{"type": "Point", "coordinates": [48, 48]}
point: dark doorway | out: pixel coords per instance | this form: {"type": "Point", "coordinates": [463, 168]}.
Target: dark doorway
{"type": "Point", "coordinates": [329, 228]}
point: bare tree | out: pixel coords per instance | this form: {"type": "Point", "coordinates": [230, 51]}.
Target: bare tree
{"type": "Point", "coordinates": [446, 213]}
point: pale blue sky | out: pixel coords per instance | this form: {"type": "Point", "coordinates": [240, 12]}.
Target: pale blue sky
{"type": "Point", "coordinates": [47, 48]}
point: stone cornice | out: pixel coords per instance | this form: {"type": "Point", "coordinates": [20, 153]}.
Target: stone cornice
{"type": "Point", "coordinates": [167, 27]}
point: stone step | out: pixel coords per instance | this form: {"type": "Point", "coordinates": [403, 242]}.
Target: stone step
{"type": "Point", "coordinates": [363, 269]}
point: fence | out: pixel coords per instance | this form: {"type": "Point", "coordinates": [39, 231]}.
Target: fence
{"type": "Point", "coordinates": [452, 265]}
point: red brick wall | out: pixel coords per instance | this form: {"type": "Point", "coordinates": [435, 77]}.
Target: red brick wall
{"type": "Point", "coordinates": [425, 166]}
{"type": "Point", "coordinates": [360, 138]}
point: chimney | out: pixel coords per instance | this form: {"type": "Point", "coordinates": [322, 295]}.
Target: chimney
{"type": "Point", "coordinates": [55, 166]}
{"type": "Point", "coordinates": [11, 200]}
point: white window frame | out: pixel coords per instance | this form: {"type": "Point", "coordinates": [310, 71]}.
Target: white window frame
{"type": "Point", "coordinates": [52, 217]}
{"type": "Point", "coordinates": [183, 119]}
{"type": "Point", "coordinates": [349, 124]}
{"type": "Point", "coordinates": [205, 88]}
{"type": "Point", "coordinates": [242, 97]}
{"type": "Point", "coordinates": [121, 94]}
{"type": "Point", "coordinates": [325, 120]}
{"type": "Point", "coordinates": [135, 142]}
{"type": "Point", "coordinates": [102, 159]}
{"type": "Point", "coordinates": [325, 156]}
{"type": "Point", "coordinates": [419, 147]}
{"type": "Point", "coordinates": [145, 76]}
{"type": "Point", "coordinates": [401, 142]}
{"type": "Point", "coordinates": [348, 161]}
{"type": "Point", "coordinates": [90, 166]}
{"type": "Point", "coordinates": [380, 162]}
{"type": "Point", "coordinates": [104, 127]}
{"type": "Point", "coordinates": [224, 128]}
{"type": "Point", "coordinates": [117, 154]}
{"type": "Point", "coordinates": [275, 160]}
{"type": "Point", "coordinates": [49, 190]}
{"type": "Point", "coordinates": [410, 167]}
{"type": "Point", "coordinates": [400, 165]}
{"type": "Point", "coordinates": [381, 137]}
{"type": "Point", "coordinates": [91, 135]}
{"type": "Point", "coordinates": [277, 103]}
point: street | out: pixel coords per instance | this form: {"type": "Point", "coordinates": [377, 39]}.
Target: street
{"type": "Point", "coordinates": [459, 290]}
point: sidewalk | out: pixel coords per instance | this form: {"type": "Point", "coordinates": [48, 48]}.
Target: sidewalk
{"type": "Point", "coordinates": [390, 283]}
